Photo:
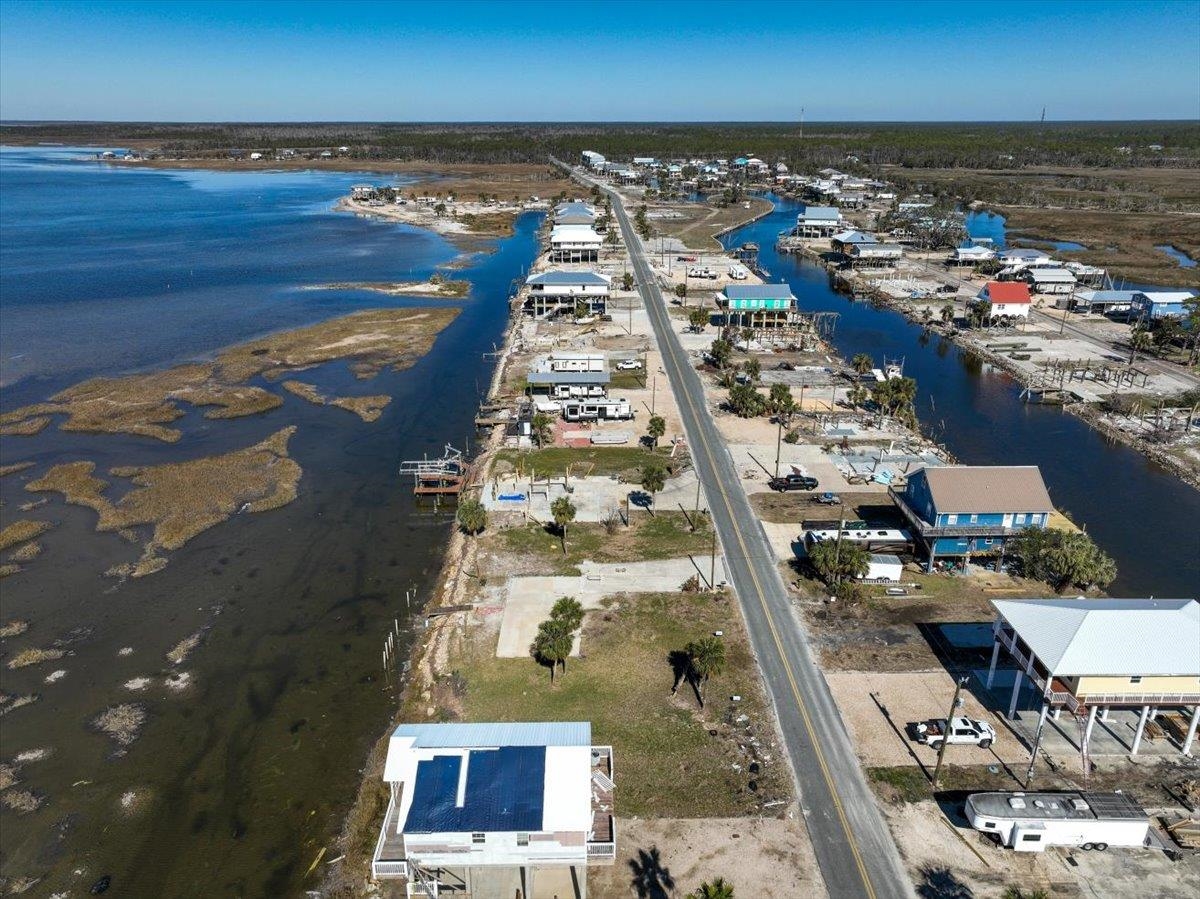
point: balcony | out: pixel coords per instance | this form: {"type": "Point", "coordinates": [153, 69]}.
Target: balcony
{"type": "Point", "coordinates": [390, 859]}
{"type": "Point", "coordinates": [925, 529]}
{"type": "Point", "coordinates": [602, 838]}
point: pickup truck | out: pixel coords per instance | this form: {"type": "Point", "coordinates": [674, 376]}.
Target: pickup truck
{"type": "Point", "coordinates": [793, 482]}
{"type": "Point", "coordinates": [962, 731]}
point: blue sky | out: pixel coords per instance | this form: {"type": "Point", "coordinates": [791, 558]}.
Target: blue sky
{"type": "Point", "coordinates": [636, 61]}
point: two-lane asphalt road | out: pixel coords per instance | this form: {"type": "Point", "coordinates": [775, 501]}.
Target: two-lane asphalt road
{"type": "Point", "coordinates": [854, 849]}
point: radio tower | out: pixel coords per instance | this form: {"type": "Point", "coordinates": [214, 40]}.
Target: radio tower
{"type": "Point", "coordinates": [1043, 115]}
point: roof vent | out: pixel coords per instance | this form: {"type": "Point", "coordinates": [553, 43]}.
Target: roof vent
{"type": "Point", "coordinates": [1016, 802]}
{"type": "Point", "coordinates": [1079, 805]}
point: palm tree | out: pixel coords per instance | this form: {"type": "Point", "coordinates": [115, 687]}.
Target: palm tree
{"type": "Point", "coordinates": [541, 426]}
{"type": "Point", "coordinates": [563, 511]}
{"type": "Point", "coordinates": [1139, 341]}
{"type": "Point", "coordinates": [862, 363]}
{"type": "Point", "coordinates": [656, 428]}
{"type": "Point", "coordinates": [718, 889]}
{"type": "Point", "coordinates": [552, 645]}
{"type": "Point", "coordinates": [471, 516]}
{"type": "Point", "coordinates": [753, 368]}
{"type": "Point", "coordinates": [569, 611]}
{"type": "Point", "coordinates": [654, 478]}
{"type": "Point", "coordinates": [947, 313]}
{"type": "Point", "coordinates": [706, 657]}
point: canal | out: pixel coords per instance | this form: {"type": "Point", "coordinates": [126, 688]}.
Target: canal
{"type": "Point", "coordinates": [1142, 515]}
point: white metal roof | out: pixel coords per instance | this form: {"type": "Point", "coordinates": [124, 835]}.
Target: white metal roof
{"type": "Point", "coordinates": [1166, 296]}
{"type": "Point", "coordinates": [463, 735]}
{"type": "Point", "coordinates": [1109, 637]}
{"type": "Point", "coordinates": [1051, 274]}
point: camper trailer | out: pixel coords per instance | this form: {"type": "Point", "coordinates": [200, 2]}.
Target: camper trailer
{"type": "Point", "coordinates": [1030, 822]}
{"type": "Point", "coordinates": [597, 410]}
{"type": "Point", "coordinates": [568, 391]}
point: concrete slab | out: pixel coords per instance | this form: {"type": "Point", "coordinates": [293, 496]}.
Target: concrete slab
{"type": "Point", "coordinates": [594, 497]}
{"type": "Point", "coordinates": [529, 599]}
{"type": "Point", "coordinates": [784, 539]}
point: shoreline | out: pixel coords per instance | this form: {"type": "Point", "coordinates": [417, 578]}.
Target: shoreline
{"type": "Point", "coordinates": [360, 825]}
{"type": "Point", "coordinates": [1086, 411]}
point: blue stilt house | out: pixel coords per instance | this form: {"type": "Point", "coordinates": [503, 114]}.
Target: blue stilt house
{"type": "Point", "coordinates": [957, 511]}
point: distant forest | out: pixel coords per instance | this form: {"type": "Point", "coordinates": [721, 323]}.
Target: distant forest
{"type": "Point", "coordinates": [932, 145]}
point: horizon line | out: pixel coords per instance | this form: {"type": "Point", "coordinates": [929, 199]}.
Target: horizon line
{"type": "Point", "coordinates": [595, 122]}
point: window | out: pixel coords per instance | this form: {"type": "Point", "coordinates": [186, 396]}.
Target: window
{"type": "Point", "coordinates": [974, 519]}
{"type": "Point", "coordinates": [988, 541]}
{"type": "Point", "coordinates": [1019, 519]}
{"type": "Point", "coordinates": [951, 520]}
{"type": "Point", "coordinates": [1136, 679]}
{"type": "Point", "coordinates": [990, 824]}
{"type": "Point", "coordinates": [479, 838]}
{"type": "Point", "coordinates": [522, 839]}
{"type": "Point", "coordinates": [1031, 838]}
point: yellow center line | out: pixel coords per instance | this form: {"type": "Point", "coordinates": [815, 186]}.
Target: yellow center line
{"type": "Point", "coordinates": [804, 715]}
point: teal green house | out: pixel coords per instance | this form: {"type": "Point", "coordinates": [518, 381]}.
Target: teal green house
{"type": "Point", "coordinates": [757, 305]}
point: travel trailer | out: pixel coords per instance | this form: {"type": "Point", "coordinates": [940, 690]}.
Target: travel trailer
{"type": "Point", "coordinates": [597, 410]}
{"type": "Point", "coordinates": [1029, 822]}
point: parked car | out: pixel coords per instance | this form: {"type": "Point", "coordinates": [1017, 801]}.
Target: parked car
{"type": "Point", "coordinates": [962, 731]}
{"type": "Point", "coordinates": [793, 482]}
{"type": "Point", "coordinates": [629, 365]}
{"type": "Point", "coordinates": [829, 499]}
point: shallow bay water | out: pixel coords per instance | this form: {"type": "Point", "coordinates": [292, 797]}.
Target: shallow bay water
{"type": "Point", "coordinates": [241, 777]}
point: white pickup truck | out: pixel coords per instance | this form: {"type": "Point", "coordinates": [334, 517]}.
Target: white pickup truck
{"type": "Point", "coordinates": [962, 731]}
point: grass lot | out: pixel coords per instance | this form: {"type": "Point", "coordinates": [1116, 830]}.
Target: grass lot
{"type": "Point", "coordinates": [627, 380]}
{"type": "Point", "coordinates": [665, 535]}
{"type": "Point", "coordinates": [584, 461]}
{"type": "Point", "coordinates": [893, 633]}
{"type": "Point", "coordinates": [786, 508]}
{"type": "Point", "coordinates": [700, 223]}
{"type": "Point", "coordinates": [671, 760]}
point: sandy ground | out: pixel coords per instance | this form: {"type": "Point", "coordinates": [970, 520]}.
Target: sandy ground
{"type": "Point", "coordinates": [952, 860]}
{"type": "Point", "coordinates": [527, 600]}
{"type": "Point", "coordinates": [763, 859]}
{"type": "Point", "coordinates": [876, 705]}
{"type": "Point", "coordinates": [423, 216]}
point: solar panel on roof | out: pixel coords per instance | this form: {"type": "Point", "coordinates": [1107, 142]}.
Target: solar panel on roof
{"type": "Point", "coordinates": [504, 792]}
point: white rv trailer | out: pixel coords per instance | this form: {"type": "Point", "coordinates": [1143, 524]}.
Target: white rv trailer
{"type": "Point", "coordinates": [1029, 822]}
{"type": "Point", "coordinates": [597, 410]}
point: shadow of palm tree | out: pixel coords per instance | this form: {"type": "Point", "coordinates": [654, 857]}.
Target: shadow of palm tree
{"type": "Point", "coordinates": [651, 879]}
{"type": "Point", "coordinates": [681, 668]}
{"type": "Point", "coordinates": [939, 883]}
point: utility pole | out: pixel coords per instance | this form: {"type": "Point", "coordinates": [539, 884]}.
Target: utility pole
{"type": "Point", "coordinates": [778, 442]}
{"type": "Point", "coordinates": [712, 565]}
{"type": "Point", "coordinates": [937, 771]}
{"type": "Point", "coordinates": [1037, 742]}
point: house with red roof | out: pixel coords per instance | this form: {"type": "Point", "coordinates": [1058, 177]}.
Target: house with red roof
{"type": "Point", "coordinates": [1009, 299]}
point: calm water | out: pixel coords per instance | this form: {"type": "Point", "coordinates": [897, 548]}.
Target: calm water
{"type": "Point", "coordinates": [1184, 260]}
{"type": "Point", "coordinates": [1140, 513]}
{"type": "Point", "coordinates": [984, 223]}
{"type": "Point", "coordinates": [245, 775]}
